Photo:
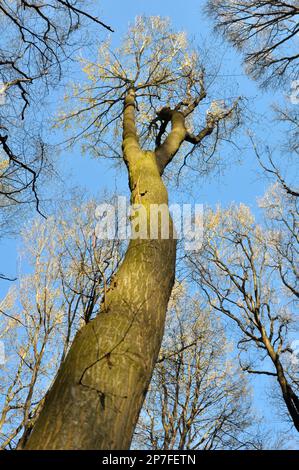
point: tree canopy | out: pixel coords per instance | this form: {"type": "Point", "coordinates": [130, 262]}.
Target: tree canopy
{"type": "Point", "coordinates": [265, 31]}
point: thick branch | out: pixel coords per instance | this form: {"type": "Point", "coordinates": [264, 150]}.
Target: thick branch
{"type": "Point", "coordinates": [178, 134]}
{"type": "Point", "coordinates": [196, 139]}
{"type": "Point", "coordinates": [131, 145]}
{"type": "Point", "coordinates": [172, 143]}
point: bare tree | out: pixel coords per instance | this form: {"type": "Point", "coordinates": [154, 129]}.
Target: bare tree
{"type": "Point", "coordinates": [274, 171]}
{"type": "Point", "coordinates": [39, 319]}
{"type": "Point", "coordinates": [197, 398]}
{"type": "Point", "coordinates": [39, 38]}
{"type": "Point", "coordinates": [249, 273]}
{"type": "Point", "coordinates": [281, 209]}
{"type": "Point", "coordinates": [104, 378]}
{"type": "Point", "coordinates": [266, 31]}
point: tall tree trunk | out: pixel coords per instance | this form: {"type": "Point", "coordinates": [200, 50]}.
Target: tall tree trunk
{"type": "Point", "coordinates": [290, 398]}
{"type": "Point", "coordinates": [99, 390]}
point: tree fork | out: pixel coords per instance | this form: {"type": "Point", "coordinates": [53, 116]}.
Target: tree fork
{"type": "Point", "coordinates": [98, 393]}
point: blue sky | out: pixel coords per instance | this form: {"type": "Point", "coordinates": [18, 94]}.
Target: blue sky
{"type": "Point", "coordinates": [241, 181]}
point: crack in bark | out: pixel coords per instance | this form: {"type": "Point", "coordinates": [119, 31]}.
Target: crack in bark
{"type": "Point", "coordinates": [108, 354]}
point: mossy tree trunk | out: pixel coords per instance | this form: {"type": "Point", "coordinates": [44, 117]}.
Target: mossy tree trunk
{"type": "Point", "coordinates": [99, 390]}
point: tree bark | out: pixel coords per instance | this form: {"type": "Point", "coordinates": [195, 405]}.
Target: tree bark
{"type": "Point", "coordinates": [99, 390]}
{"type": "Point", "coordinates": [290, 398]}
